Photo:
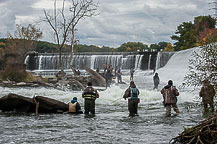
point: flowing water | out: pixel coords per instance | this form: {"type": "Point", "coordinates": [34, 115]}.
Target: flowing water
{"type": "Point", "coordinates": [111, 123]}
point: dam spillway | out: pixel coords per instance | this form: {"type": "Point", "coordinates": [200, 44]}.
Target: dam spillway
{"type": "Point", "coordinates": [139, 60]}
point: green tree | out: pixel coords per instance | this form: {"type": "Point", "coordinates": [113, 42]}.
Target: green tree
{"type": "Point", "coordinates": [162, 45]}
{"type": "Point", "coordinates": [155, 47]}
{"type": "Point", "coordinates": [185, 36]}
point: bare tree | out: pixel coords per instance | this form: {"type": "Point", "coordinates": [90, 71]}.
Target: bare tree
{"type": "Point", "coordinates": [63, 22]}
{"type": "Point", "coordinates": [202, 66]}
{"type": "Point", "coordinates": [60, 26]}
{"type": "Point", "coordinates": [80, 9]}
{"type": "Point", "coordinates": [23, 41]}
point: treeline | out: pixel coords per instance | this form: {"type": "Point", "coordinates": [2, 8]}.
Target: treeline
{"type": "Point", "coordinates": [188, 34]}
{"type": "Point", "coordinates": [47, 47]}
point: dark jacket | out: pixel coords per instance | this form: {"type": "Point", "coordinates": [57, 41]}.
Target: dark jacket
{"type": "Point", "coordinates": [207, 92]}
{"type": "Point", "coordinates": [156, 79]}
{"type": "Point", "coordinates": [170, 94]}
{"type": "Point", "coordinates": [90, 93]}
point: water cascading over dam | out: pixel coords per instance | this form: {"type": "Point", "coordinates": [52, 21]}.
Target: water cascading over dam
{"type": "Point", "coordinates": [140, 61]}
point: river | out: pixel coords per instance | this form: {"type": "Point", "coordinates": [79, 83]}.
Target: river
{"type": "Point", "coordinates": [111, 124]}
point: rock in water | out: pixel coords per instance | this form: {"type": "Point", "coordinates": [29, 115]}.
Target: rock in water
{"type": "Point", "coordinates": [101, 81]}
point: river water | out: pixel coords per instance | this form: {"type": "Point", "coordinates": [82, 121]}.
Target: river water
{"type": "Point", "coordinates": [111, 124]}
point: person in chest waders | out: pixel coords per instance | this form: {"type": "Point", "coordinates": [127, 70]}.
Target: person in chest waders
{"type": "Point", "coordinates": [170, 94]}
{"type": "Point", "coordinates": [74, 107]}
{"type": "Point", "coordinates": [207, 92]}
{"type": "Point", "coordinates": [132, 94]}
{"type": "Point", "coordinates": [90, 95]}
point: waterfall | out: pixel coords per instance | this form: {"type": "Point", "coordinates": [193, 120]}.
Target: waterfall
{"type": "Point", "coordinates": [40, 62]}
{"type": "Point", "coordinates": [149, 62]}
{"type": "Point", "coordinates": [26, 60]}
{"type": "Point", "coordinates": [138, 61]}
{"type": "Point", "coordinates": [162, 59]}
{"type": "Point", "coordinates": [143, 61]}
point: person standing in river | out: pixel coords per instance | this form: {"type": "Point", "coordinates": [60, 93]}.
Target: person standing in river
{"type": "Point", "coordinates": [131, 74]}
{"type": "Point", "coordinates": [119, 73]}
{"type": "Point", "coordinates": [207, 92]}
{"type": "Point", "coordinates": [156, 80]}
{"type": "Point", "coordinates": [90, 95]}
{"type": "Point", "coordinates": [170, 94]}
{"type": "Point", "coordinates": [108, 78]}
{"type": "Point", "coordinates": [132, 94]}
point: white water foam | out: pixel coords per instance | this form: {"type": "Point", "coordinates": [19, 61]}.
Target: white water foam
{"type": "Point", "coordinates": [175, 69]}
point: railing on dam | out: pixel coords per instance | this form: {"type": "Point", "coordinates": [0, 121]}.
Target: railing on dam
{"type": "Point", "coordinates": [92, 53]}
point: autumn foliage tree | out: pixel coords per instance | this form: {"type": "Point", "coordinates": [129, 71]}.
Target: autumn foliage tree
{"type": "Point", "coordinates": [16, 49]}
{"type": "Point", "coordinates": [169, 47]}
{"type": "Point", "coordinates": [201, 32]}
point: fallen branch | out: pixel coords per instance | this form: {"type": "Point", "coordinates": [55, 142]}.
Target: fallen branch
{"type": "Point", "coordinates": [204, 132]}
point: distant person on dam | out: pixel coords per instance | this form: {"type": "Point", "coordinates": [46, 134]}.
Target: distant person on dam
{"type": "Point", "coordinates": [90, 95]}
{"type": "Point", "coordinates": [207, 92]}
{"type": "Point", "coordinates": [156, 80]}
{"type": "Point", "coordinates": [74, 106]}
{"type": "Point", "coordinates": [170, 94]}
{"type": "Point", "coordinates": [132, 94]}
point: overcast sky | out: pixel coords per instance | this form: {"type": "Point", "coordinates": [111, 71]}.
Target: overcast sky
{"type": "Point", "coordinates": [119, 21]}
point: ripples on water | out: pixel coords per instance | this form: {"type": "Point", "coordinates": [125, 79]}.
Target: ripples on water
{"type": "Point", "coordinates": [110, 125]}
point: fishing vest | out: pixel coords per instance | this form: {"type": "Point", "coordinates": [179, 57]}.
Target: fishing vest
{"type": "Point", "coordinates": [133, 93]}
{"type": "Point", "coordinates": [89, 93]}
{"type": "Point", "coordinates": [72, 107]}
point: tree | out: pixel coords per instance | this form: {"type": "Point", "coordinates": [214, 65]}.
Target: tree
{"type": "Point", "coordinates": [189, 35]}
{"type": "Point", "coordinates": [169, 47]}
{"type": "Point", "coordinates": [205, 29]}
{"type": "Point", "coordinates": [202, 66]}
{"type": "Point", "coordinates": [63, 22]}
{"type": "Point", "coordinates": [15, 50]}
{"type": "Point", "coordinates": [80, 9]}
{"type": "Point", "coordinates": [155, 47]}
{"type": "Point", "coordinates": [21, 42]}
{"type": "Point", "coordinates": [162, 45]}
{"type": "Point", "coordinates": [185, 35]}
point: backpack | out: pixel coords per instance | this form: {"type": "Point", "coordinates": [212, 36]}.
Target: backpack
{"type": "Point", "coordinates": [134, 93]}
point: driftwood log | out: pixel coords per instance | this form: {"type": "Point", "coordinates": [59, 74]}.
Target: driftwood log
{"type": "Point", "coordinates": [13, 102]}
{"type": "Point", "coordinates": [101, 81]}
{"type": "Point", "coordinates": [18, 103]}
{"type": "Point", "coordinates": [203, 133]}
